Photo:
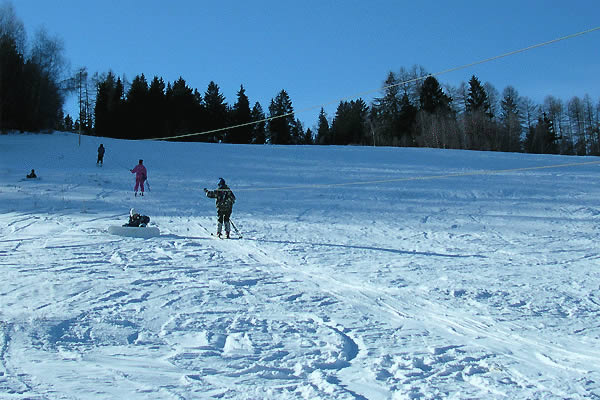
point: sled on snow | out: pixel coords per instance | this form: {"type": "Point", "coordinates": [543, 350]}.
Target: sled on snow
{"type": "Point", "coordinates": [144, 232]}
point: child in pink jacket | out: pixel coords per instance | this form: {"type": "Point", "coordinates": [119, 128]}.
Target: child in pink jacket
{"type": "Point", "coordinates": [140, 176]}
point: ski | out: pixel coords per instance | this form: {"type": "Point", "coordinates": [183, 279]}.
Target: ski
{"type": "Point", "coordinates": [223, 237]}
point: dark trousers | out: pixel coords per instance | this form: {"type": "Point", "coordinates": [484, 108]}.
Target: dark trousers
{"type": "Point", "coordinates": [223, 215]}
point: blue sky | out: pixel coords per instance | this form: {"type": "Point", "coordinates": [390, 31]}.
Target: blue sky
{"type": "Point", "coordinates": [323, 51]}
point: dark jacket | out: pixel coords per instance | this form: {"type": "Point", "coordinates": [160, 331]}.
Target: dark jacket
{"type": "Point", "coordinates": [224, 198]}
{"type": "Point", "coordinates": [138, 220]}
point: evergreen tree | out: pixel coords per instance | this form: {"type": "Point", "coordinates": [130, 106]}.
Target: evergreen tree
{"type": "Point", "coordinates": [183, 109]}
{"type": "Point", "coordinates": [406, 121]}
{"type": "Point", "coordinates": [119, 124]}
{"type": "Point", "coordinates": [433, 99]}
{"type": "Point", "coordinates": [350, 123]}
{"type": "Point", "coordinates": [298, 135]}
{"type": "Point", "coordinates": [386, 111]}
{"type": "Point", "coordinates": [259, 134]}
{"type": "Point", "coordinates": [138, 90]}
{"type": "Point", "coordinates": [477, 99]}
{"type": "Point", "coordinates": [30, 95]}
{"type": "Point", "coordinates": [105, 108]}
{"type": "Point", "coordinates": [137, 109]}
{"type": "Point", "coordinates": [109, 108]}
{"type": "Point", "coordinates": [434, 121]}
{"type": "Point", "coordinates": [216, 112]}
{"type": "Point", "coordinates": [280, 127]}
{"type": "Point", "coordinates": [68, 123]}
{"type": "Point", "coordinates": [541, 138]}
{"type": "Point", "coordinates": [60, 124]}
{"type": "Point", "coordinates": [12, 90]}
{"type": "Point", "coordinates": [157, 107]}
{"type": "Point", "coordinates": [483, 133]}
{"type": "Point", "coordinates": [241, 115]}
{"type": "Point", "coordinates": [309, 137]}
{"type": "Point", "coordinates": [323, 134]}
{"type": "Point", "coordinates": [509, 103]}
{"type": "Point", "coordinates": [13, 98]}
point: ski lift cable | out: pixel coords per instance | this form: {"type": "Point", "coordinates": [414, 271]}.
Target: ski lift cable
{"type": "Point", "coordinates": [420, 78]}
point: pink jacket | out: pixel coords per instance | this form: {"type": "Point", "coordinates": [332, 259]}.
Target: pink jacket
{"type": "Point", "coordinates": [140, 172]}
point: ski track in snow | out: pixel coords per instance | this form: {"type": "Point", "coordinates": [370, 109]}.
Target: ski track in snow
{"type": "Point", "coordinates": [486, 290]}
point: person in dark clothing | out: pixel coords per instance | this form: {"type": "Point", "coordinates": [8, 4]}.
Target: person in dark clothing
{"type": "Point", "coordinates": [224, 203]}
{"type": "Point", "coordinates": [100, 154]}
{"type": "Point", "coordinates": [137, 220]}
{"type": "Point", "coordinates": [32, 175]}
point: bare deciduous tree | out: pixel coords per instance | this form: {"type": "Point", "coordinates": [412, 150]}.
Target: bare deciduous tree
{"type": "Point", "coordinates": [575, 115]}
{"type": "Point", "coordinates": [11, 26]}
{"type": "Point", "coordinates": [493, 98]}
{"type": "Point", "coordinates": [48, 53]}
{"type": "Point", "coordinates": [529, 111]}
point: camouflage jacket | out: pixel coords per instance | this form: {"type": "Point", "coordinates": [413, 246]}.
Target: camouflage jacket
{"type": "Point", "coordinates": [224, 198]}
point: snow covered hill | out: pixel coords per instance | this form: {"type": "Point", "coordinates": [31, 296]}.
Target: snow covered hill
{"type": "Point", "coordinates": [363, 273]}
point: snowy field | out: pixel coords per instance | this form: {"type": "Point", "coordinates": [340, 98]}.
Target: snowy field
{"type": "Point", "coordinates": [363, 273]}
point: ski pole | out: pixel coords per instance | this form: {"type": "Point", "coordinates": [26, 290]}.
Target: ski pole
{"type": "Point", "coordinates": [235, 228]}
{"type": "Point", "coordinates": [148, 184]}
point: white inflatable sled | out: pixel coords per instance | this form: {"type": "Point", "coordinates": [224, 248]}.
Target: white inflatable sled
{"type": "Point", "coordinates": [133, 231]}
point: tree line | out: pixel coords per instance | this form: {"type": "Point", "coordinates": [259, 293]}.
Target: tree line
{"type": "Point", "coordinates": [31, 91]}
{"type": "Point", "coordinates": [414, 108]}
{"type": "Point", "coordinates": [166, 110]}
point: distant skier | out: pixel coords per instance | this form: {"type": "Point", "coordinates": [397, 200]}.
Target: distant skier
{"type": "Point", "coordinates": [140, 176]}
{"type": "Point", "coordinates": [225, 199]}
{"type": "Point", "coordinates": [137, 220]}
{"type": "Point", "coordinates": [100, 154]}
{"type": "Point", "coordinates": [32, 175]}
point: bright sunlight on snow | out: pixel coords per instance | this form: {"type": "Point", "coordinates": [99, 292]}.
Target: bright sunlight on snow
{"type": "Point", "coordinates": [363, 273]}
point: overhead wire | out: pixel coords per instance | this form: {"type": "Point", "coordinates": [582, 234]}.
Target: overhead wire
{"type": "Point", "coordinates": [446, 71]}
{"type": "Point", "coordinates": [407, 179]}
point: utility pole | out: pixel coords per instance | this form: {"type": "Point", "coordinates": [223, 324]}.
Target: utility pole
{"type": "Point", "coordinates": [80, 105]}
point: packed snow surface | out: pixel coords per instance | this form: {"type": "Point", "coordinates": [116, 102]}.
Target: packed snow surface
{"type": "Point", "coordinates": [363, 273]}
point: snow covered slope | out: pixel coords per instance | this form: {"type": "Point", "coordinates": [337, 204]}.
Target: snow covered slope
{"type": "Point", "coordinates": [364, 273]}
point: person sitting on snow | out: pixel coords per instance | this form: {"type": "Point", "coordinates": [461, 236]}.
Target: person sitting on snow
{"type": "Point", "coordinates": [137, 220]}
{"type": "Point", "coordinates": [225, 199]}
{"type": "Point", "coordinates": [32, 175]}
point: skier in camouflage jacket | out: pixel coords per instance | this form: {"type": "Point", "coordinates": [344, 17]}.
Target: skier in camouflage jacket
{"type": "Point", "coordinates": [224, 202]}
